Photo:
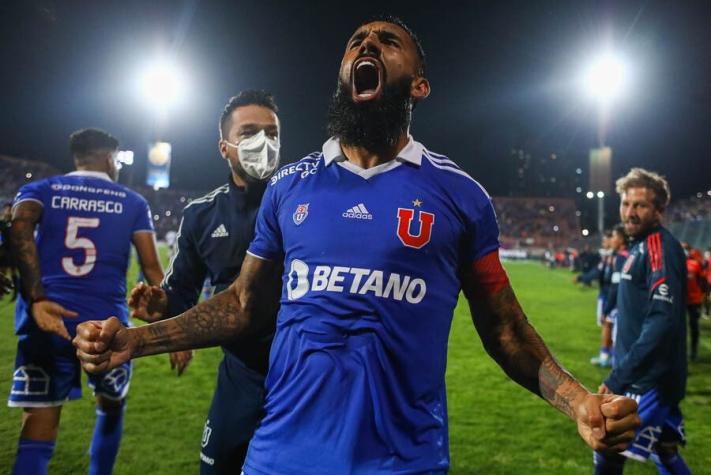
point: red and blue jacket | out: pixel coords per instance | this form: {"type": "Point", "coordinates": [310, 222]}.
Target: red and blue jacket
{"type": "Point", "coordinates": [650, 351]}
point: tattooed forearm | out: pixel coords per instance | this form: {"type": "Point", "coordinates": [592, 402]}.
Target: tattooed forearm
{"type": "Point", "coordinates": [558, 386]}
{"type": "Point", "coordinates": [22, 242]}
{"type": "Point", "coordinates": [516, 346]}
{"type": "Point", "coordinates": [210, 323]}
{"type": "Point", "coordinates": [216, 321]}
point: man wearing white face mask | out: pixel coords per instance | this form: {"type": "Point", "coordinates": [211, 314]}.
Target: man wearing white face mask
{"type": "Point", "coordinates": [214, 234]}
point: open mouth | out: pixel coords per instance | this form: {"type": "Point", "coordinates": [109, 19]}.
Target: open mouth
{"type": "Point", "coordinates": [366, 79]}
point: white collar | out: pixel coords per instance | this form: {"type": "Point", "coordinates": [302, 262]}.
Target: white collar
{"type": "Point", "coordinates": [101, 175]}
{"type": "Point", "coordinates": [411, 153]}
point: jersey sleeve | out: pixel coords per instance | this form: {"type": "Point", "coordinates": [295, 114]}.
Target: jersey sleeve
{"type": "Point", "coordinates": [267, 243]}
{"type": "Point", "coordinates": [35, 191]}
{"type": "Point", "coordinates": [186, 272]}
{"type": "Point", "coordinates": [666, 275]}
{"type": "Point", "coordinates": [143, 221]}
{"type": "Point", "coordinates": [482, 228]}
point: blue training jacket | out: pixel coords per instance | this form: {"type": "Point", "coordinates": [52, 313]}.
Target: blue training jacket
{"type": "Point", "coordinates": [650, 351]}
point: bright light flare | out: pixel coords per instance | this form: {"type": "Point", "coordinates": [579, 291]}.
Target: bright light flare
{"type": "Point", "coordinates": [125, 157]}
{"type": "Point", "coordinates": [605, 78]}
{"type": "Point", "coordinates": [162, 85]}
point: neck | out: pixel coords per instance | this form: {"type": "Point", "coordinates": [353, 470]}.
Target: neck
{"type": "Point", "coordinates": [238, 180]}
{"type": "Point", "coordinates": [92, 168]}
{"type": "Point", "coordinates": [365, 158]}
{"type": "Point", "coordinates": [651, 229]}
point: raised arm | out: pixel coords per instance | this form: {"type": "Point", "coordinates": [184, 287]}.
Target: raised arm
{"type": "Point", "coordinates": [224, 317]}
{"type": "Point", "coordinates": [604, 423]}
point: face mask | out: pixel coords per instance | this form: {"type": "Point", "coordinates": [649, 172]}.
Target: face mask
{"type": "Point", "coordinates": [258, 155]}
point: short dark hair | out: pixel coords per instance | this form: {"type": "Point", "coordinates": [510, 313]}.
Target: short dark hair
{"type": "Point", "coordinates": [246, 98]}
{"type": "Point", "coordinates": [619, 229]}
{"type": "Point", "coordinates": [84, 143]}
{"type": "Point", "coordinates": [641, 178]}
{"type": "Point", "coordinates": [386, 18]}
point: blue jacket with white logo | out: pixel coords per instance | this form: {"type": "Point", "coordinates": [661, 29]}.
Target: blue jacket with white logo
{"type": "Point", "coordinates": [650, 351]}
{"type": "Point", "coordinates": [212, 240]}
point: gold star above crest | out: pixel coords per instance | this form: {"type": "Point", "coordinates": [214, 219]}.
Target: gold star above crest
{"type": "Point", "coordinates": [416, 202]}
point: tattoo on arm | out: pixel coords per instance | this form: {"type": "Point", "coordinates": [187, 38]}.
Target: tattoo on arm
{"type": "Point", "coordinates": [215, 321]}
{"type": "Point", "coordinates": [558, 386]}
{"type": "Point", "coordinates": [516, 346]}
{"type": "Point", "coordinates": [210, 323]}
{"type": "Point", "coordinates": [22, 242]}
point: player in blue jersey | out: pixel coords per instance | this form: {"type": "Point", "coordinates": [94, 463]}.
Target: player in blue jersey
{"type": "Point", "coordinates": [71, 236]}
{"type": "Point", "coordinates": [650, 349]}
{"type": "Point", "coordinates": [215, 232]}
{"type": "Point", "coordinates": [609, 281]}
{"type": "Point", "coordinates": [377, 235]}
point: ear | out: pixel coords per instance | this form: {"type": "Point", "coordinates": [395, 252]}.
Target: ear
{"type": "Point", "coordinates": [110, 163]}
{"type": "Point", "coordinates": [419, 88]}
{"type": "Point", "coordinates": [222, 146]}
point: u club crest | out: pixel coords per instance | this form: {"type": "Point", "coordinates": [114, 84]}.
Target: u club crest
{"type": "Point", "coordinates": [302, 211]}
{"type": "Point", "coordinates": [405, 217]}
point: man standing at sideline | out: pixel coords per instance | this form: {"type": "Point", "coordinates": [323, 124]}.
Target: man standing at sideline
{"type": "Point", "coordinates": [377, 235]}
{"type": "Point", "coordinates": [212, 240]}
{"type": "Point", "coordinates": [650, 349]}
{"type": "Point", "coordinates": [695, 289]}
{"type": "Point", "coordinates": [617, 245]}
{"type": "Point", "coordinates": [85, 225]}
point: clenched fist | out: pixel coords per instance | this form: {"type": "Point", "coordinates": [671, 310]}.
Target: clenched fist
{"type": "Point", "coordinates": [606, 422]}
{"type": "Point", "coordinates": [103, 345]}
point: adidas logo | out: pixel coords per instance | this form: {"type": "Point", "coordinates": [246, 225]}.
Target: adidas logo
{"type": "Point", "coordinates": [359, 211]}
{"type": "Point", "coordinates": [220, 232]}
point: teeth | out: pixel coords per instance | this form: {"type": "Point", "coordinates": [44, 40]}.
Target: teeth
{"type": "Point", "coordinates": [364, 62]}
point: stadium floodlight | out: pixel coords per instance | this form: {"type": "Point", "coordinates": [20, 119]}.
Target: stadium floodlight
{"type": "Point", "coordinates": [590, 195]}
{"type": "Point", "coordinates": [162, 85]}
{"type": "Point", "coordinates": [585, 232]}
{"type": "Point", "coordinates": [605, 78]}
{"type": "Point", "coordinates": [125, 157]}
{"type": "Point", "coordinates": [600, 194]}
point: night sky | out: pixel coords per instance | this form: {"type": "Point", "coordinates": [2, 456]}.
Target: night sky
{"type": "Point", "coordinates": [502, 75]}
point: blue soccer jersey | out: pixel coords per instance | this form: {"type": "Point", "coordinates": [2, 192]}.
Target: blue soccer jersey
{"type": "Point", "coordinates": [371, 260]}
{"type": "Point", "coordinates": [83, 238]}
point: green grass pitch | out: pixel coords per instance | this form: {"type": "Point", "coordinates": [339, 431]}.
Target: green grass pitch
{"type": "Point", "coordinates": [496, 427]}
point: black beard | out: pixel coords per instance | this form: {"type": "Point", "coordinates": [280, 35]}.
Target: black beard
{"type": "Point", "coordinates": [373, 125]}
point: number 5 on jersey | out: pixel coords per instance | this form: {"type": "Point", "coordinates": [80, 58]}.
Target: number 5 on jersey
{"type": "Point", "coordinates": [73, 241]}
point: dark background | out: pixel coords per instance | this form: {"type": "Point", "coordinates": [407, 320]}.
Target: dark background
{"type": "Point", "coordinates": [502, 75]}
